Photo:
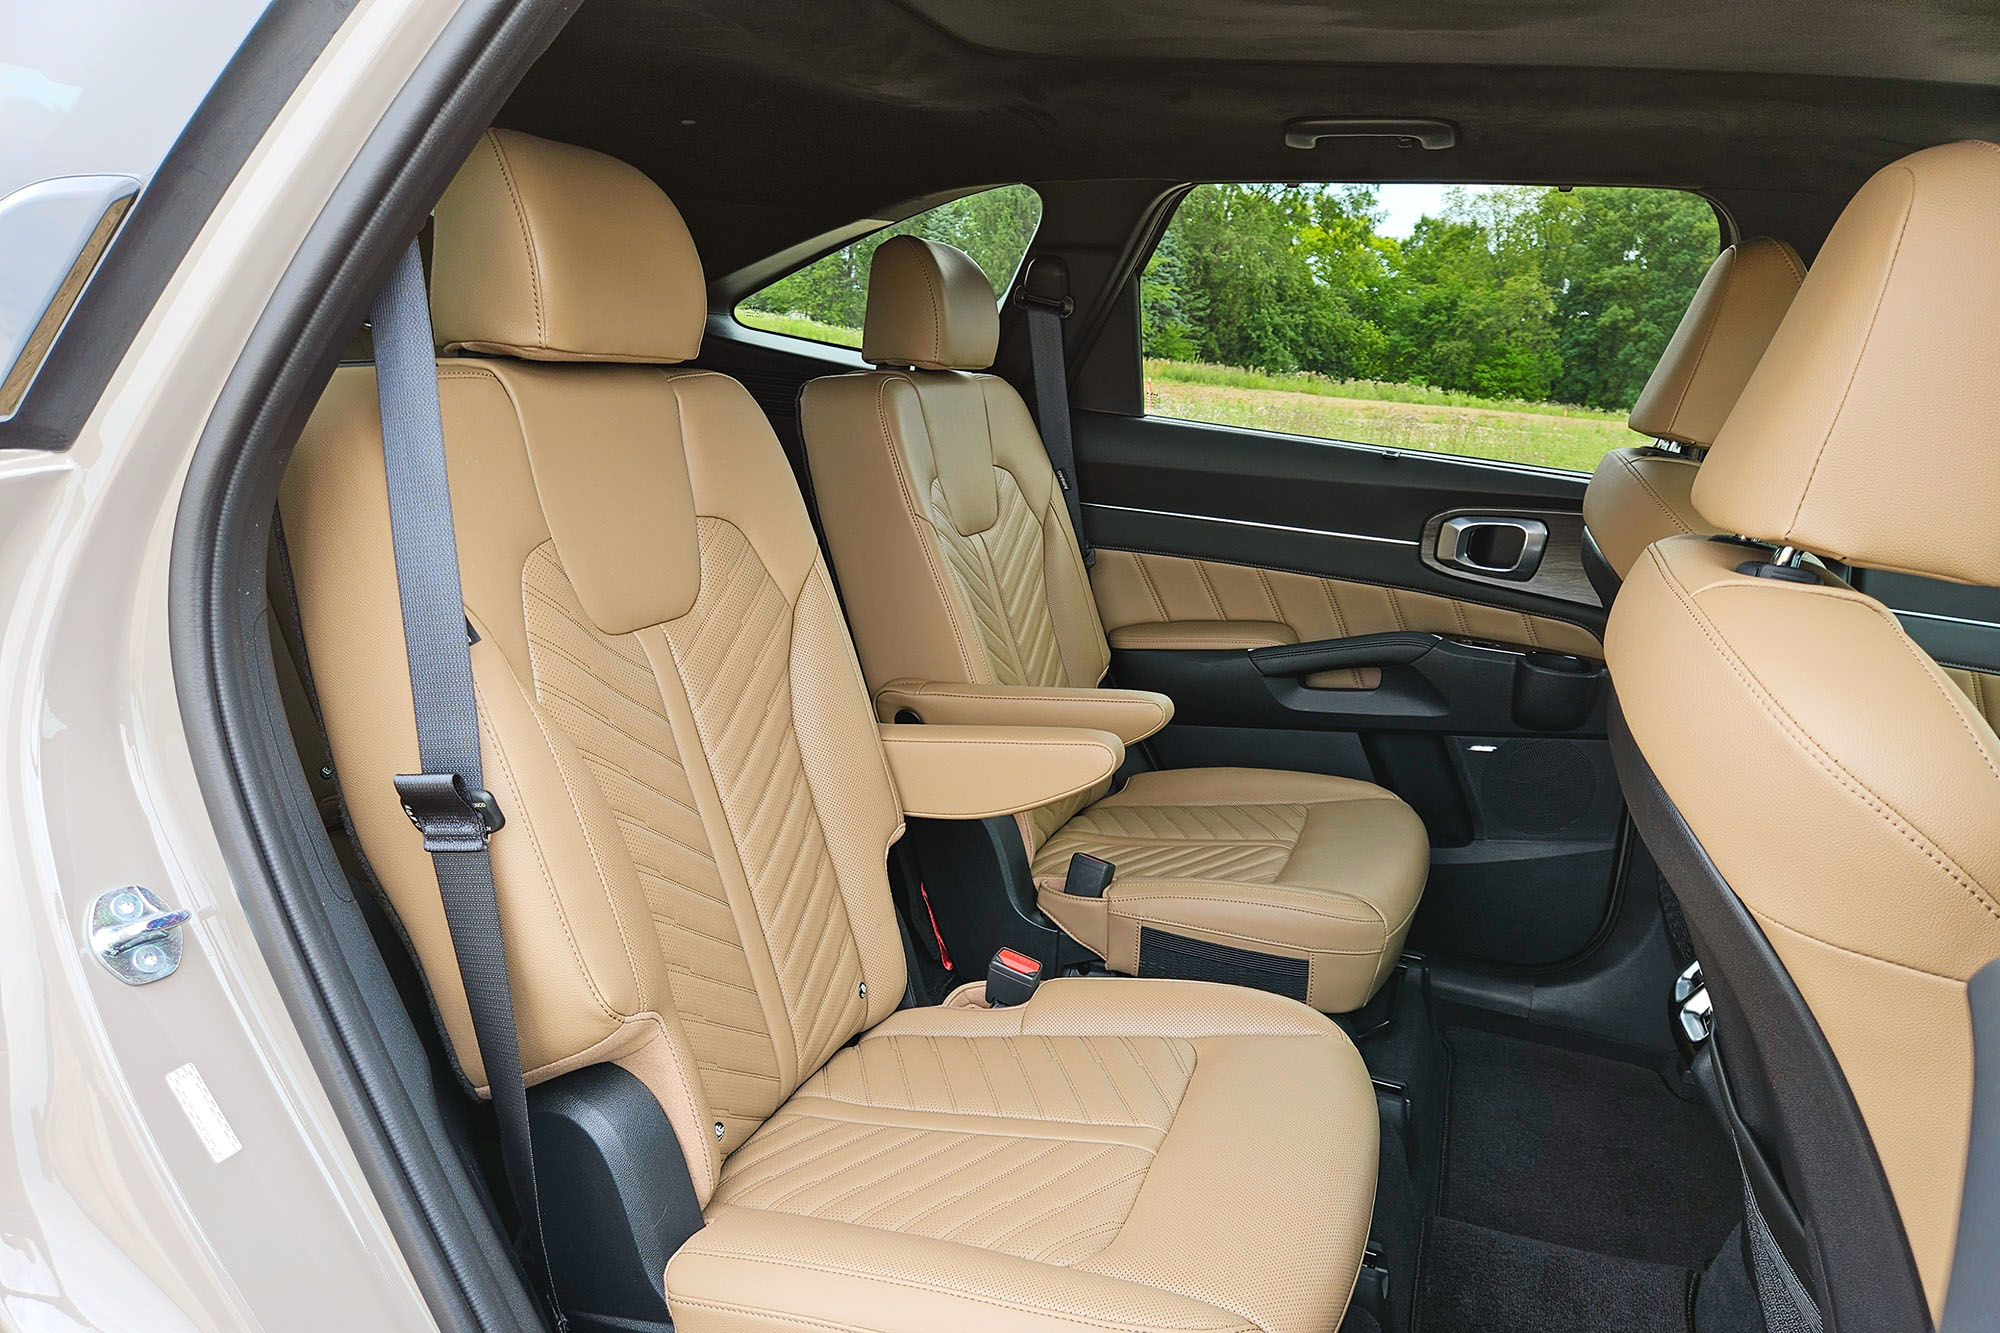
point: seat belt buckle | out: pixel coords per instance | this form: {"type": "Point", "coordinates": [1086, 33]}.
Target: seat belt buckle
{"type": "Point", "coordinates": [1088, 876]}
{"type": "Point", "coordinates": [452, 816]}
{"type": "Point", "coordinates": [1011, 978]}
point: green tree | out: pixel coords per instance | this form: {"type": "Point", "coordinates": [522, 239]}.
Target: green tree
{"type": "Point", "coordinates": [1637, 257]}
{"type": "Point", "coordinates": [994, 227]}
{"type": "Point", "coordinates": [1472, 307]}
{"type": "Point", "coordinates": [1277, 278]}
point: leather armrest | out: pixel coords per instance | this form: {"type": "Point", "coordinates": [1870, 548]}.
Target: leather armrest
{"type": "Point", "coordinates": [945, 772]}
{"type": "Point", "coordinates": [1201, 635]}
{"type": "Point", "coordinates": [1130, 715]}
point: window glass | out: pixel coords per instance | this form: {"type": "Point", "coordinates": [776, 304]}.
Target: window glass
{"type": "Point", "coordinates": [826, 299]}
{"type": "Point", "coordinates": [1506, 322]}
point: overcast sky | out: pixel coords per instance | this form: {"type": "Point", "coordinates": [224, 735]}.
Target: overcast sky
{"type": "Point", "coordinates": [1402, 205]}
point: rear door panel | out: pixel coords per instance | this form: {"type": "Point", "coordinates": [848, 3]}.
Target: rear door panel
{"type": "Point", "coordinates": [1481, 702]}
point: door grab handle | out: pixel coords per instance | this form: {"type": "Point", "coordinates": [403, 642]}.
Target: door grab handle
{"type": "Point", "coordinates": [1497, 546]}
{"type": "Point", "coordinates": [1364, 650]}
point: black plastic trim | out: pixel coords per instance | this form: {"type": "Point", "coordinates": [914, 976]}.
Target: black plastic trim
{"type": "Point", "coordinates": [1788, 1087]}
{"type": "Point", "coordinates": [617, 1199]}
{"type": "Point", "coordinates": [1973, 1301]}
{"type": "Point", "coordinates": [1788, 1232]}
{"type": "Point", "coordinates": [245, 99]}
{"type": "Point", "coordinates": [1450, 685]}
{"type": "Point", "coordinates": [248, 773]}
{"type": "Point", "coordinates": [1968, 645]}
{"type": "Point", "coordinates": [1394, 648]}
{"type": "Point", "coordinates": [982, 893]}
{"type": "Point", "coordinates": [1603, 578]}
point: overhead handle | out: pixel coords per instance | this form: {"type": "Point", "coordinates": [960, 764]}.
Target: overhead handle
{"type": "Point", "coordinates": [1408, 133]}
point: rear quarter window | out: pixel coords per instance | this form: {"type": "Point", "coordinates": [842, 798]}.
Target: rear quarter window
{"type": "Point", "coordinates": [826, 300]}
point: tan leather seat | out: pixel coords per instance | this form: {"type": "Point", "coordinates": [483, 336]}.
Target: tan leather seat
{"type": "Point", "coordinates": [1639, 495]}
{"type": "Point", "coordinates": [970, 602]}
{"type": "Point", "coordinates": [1846, 793]}
{"type": "Point", "coordinates": [698, 808]}
{"type": "Point", "coordinates": [1642, 494]}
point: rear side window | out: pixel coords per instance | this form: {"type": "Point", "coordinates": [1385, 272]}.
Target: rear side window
{"type": "Point", "coordinates": [825, 300]}
{"type": "Point", "coordinates": [1515, 323]}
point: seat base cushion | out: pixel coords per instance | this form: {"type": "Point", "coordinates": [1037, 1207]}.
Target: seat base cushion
{"type": "Point", "coordinates": [1243, 861]}
{"type": "Point", "coordinates": [1114, 1154]}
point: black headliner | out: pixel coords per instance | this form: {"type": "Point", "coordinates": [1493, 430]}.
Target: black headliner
{"type": "Point", "coordinates": [773, 123]}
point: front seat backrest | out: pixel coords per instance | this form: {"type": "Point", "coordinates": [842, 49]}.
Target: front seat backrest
{"type": "Point", "coordinates": [1839, 787]}
{"type": "Point", "coordinates": [1641, 494]}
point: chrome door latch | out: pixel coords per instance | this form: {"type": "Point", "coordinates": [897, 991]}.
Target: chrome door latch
{"type": "Point", "coordinates": [136, 935]}
{"type": "Point", "coordinates": [1498, 546]}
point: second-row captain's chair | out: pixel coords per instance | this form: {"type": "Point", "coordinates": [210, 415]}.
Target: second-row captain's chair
{"type": "Point", "coordinates": [969, 602]}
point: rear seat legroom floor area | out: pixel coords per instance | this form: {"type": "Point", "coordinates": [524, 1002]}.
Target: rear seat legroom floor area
{"type": "Point", "coordinates": [1579, 1193]}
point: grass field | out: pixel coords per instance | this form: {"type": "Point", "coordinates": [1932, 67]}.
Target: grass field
{"type": "Point", "coordinates": [798, 326]}
{"type": "Point", "coordinates": [1397, 416]}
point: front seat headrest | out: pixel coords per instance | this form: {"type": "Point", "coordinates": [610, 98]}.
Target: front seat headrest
{"type": "Point", "coordinates": [1738, 307]}
{"type": "Point", "coordinates": [1870, 432]}
{"type": "Point", "coordinates": [930, 307]}
{"type": "Point", "coordinates": [556, 253]}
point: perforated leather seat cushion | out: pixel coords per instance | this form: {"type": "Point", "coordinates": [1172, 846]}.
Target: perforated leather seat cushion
{"type": "Point", "coordinates": [1296, 865]}
{"type": "Point", "coordinates": [1093, 1159]}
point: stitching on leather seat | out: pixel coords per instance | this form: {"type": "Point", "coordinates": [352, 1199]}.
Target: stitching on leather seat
{"type": "Point", "coordinates": [1631, 464]}
{"type": "Point", "coordinates": [527, 238]}
{"type": "Point", "coordinates": [1807, 745]}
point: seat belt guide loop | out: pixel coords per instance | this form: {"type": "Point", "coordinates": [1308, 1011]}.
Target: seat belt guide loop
{"type": "Point", "coordinates": [452, 816]}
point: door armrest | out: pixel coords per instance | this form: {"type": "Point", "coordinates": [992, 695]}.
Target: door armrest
{"type": "Point", "coordinates": [1130, 715]}
{"type": "Point", "coordinates": [1363, 650]}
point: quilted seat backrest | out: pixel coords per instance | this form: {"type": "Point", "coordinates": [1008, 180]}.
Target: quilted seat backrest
{"type": "Point", "coordinates": [692, 873]}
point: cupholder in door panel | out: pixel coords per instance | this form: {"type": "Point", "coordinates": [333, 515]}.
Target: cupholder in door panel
{"type": "Point", "coordinates": [1555, 691]}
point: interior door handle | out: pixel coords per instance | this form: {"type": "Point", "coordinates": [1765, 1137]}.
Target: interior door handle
{"type": "Point", "coordinates": [1494, 545]}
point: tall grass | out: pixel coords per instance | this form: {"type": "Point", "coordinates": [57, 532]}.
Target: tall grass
{"type": "Point", "coordinates": [799, 326]}
{"type": "Point", "coordinates": [1396, 416]}
{"type": "Point", "coordinates": [1538, 435]}
{"type": "Point", "coordinates": [1305, 381]}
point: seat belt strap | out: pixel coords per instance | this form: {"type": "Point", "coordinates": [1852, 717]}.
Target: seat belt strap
{"type": "Point", "coordinates": [1044, 295]}
{"type": "Point", "coordinates": [448, 801]}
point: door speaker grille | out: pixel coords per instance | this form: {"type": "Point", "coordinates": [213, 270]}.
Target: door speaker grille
{"type": "Point", "coordinates": [1537, 787]}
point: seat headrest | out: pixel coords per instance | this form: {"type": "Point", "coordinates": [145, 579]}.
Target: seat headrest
{"type": "Point", "coordinates": [1870, 431]}
{"type": "Point", "coordinates": [929, 306]}
{"type": "Point", "coordinates": [555, 253]}
{"type": "Point", "coordinates": [1722, 336]}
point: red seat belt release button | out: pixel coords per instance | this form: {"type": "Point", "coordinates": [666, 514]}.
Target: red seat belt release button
{"type": "Point", "coordinates": [1011, 978]}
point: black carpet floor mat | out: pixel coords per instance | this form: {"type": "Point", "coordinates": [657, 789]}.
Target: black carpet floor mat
{"type": "Point", "coordinates": [1580, 1195]}
{"type": "Point", "coordinates": [1586, 1152]}
{"type": "Point", "coordinates": [1483, 1281]}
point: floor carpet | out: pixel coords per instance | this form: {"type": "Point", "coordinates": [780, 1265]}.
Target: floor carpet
{"type": "Point", "coordinates": [1580, 1195]}
{"type": "Point", "coordinates": [1483, 1281]}
{"type": "Point", "coordinates": [1582, 1151]}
